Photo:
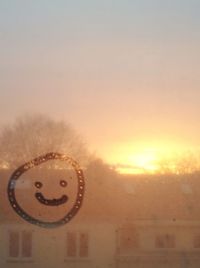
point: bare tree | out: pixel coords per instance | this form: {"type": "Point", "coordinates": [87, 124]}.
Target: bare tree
{"type": "Point", "coordinates": [187, 162]}
{"type": "Point", "coordinates": [31, 136]}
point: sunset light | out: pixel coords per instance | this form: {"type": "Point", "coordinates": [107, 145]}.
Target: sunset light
{"type": "Point", "coordinates": [151, 158]}
{"type": "Point", "coordinates": [145, 161]}
{"type": "Point", "coordinates": [100, 134]}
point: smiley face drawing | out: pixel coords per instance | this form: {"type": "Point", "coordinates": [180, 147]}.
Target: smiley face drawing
{"type": "Point", "coordinates": [47, 197]}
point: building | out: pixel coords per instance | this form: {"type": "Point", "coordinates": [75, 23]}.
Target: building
{"type": "Point", "coordinates": [125, 221]}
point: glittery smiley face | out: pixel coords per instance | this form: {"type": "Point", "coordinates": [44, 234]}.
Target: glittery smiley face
{"type": "Point", "coordinates": [52, 199]}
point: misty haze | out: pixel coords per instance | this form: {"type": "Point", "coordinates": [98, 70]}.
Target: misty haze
{"type": "Point", "coordinates": [99, 134]}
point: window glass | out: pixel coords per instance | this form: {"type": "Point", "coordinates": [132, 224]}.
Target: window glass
{"type": "Point", "coordinates": [14, 246]}
{"type": "Point", "coordinates": [26, 244]}
{"type": "Point", "coordinates": [165, 241]}
{"type": "Point", "coordinates": [84, 243]}
{"type": "Point", "coordinates": [128, 240]}
{"type": "Point", "coordinates": [71, 244]}
{"type": "Point", "coordinates": [100, 134]}
{"type": "Point", "coordinates": [20, 244]}
{"type": "Point", "coordinates": [197, 241]}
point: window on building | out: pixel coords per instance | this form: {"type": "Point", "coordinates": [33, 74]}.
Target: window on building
{"type": "Point", "coordinates": [128, 241]}
{"type": "Point", "coordinates": [165, 241]}
{"type": "Point", "coordinates": [197, 241]}
{"type": "Point", "coordinates": [20, 244]}
{"type": "Point", "coordinates": [14, 244]}
{"type": "Point", "coordinates": [83, 247]}
{"type": "Point", "coordinates": [71, 244]}
{"type": "Point", "coordinates": [77, 245]}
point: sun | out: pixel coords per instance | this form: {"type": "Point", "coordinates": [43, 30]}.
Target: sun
{"type": "Point", "coordinates": [145, 161]}
{"type": "Point", "coordinates": [140, 162]}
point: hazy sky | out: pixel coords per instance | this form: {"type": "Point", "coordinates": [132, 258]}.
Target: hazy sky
{"type": "Point", "coordinates": [124, 73]}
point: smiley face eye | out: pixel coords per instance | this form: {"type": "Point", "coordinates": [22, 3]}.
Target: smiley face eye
{"type": "Point", "coordinates": [63, 183]}
{"type": "Point", "coordinates": [38, 184]}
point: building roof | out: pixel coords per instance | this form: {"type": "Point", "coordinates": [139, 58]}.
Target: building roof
{"type": "Point", "coordinates": [117, 199]}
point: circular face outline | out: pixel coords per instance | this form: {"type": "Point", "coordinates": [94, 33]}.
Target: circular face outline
{"type": "Point", "coordinates": [35, 162]}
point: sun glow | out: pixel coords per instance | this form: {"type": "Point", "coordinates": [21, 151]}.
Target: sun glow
{"type": "Point", "coordinates": [145, 161]}
{"type": "Point", "coordinates": [139, 163]}
{"type": "Point", "coordinates": [147, 158]}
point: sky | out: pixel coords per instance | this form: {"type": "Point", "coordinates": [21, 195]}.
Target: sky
{"type": "Point", "coordinates": [125, 73]}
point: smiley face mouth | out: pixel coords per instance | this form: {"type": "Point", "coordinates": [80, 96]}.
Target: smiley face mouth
{"type": "Point", "coordinates": [51, 202]}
